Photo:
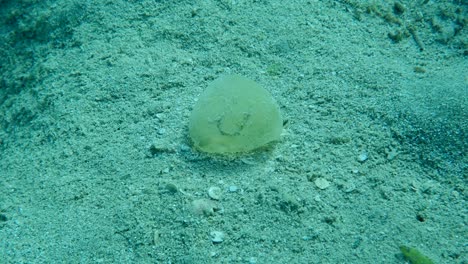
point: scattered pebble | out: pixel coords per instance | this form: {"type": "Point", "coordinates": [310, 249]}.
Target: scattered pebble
{"type": "Point", "coordinates": [362, 157]}
{"type": "Point", "coordinates": [217, 237]}
{"type": "Point", "coordinates": [156, 236]}
{"type": "Point", "coordinates": [253, 260]}
{"type": "Point", "coordinates": [161, 131]}
{"type": "Point", "coordinates": [171, 188]}
{"type": "Point", "coordinates": [160, 116]}
{"type": "Point", "coordinates": [349, 187]}
{"type": "Point", "coordinates": [322, 183]}
{"type": "Point", "coordinates": [392, 154]}
{"type": "Point", "coordinates": [215, 193]}
{"type": "Point", "coordinates": [233, 188]}
{"type": "Point", "coordinates": [317, 198]}
{"type": "Point", "coordinates": [184, 147]}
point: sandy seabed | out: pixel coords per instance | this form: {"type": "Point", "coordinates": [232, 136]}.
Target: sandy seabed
{"type": "Point", "coordinates": [96, 165]}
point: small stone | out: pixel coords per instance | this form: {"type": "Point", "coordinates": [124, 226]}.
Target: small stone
{"type": "Point", "coordinates": [233, 188]}
{"type": "Point", "coordinates": [349, 187]}
{"type": "Point", "coordinates": [171, 188]}
{"type": "Point", "coordinates": [156, 236]}
{"type": "Point", "coordinates": [322, 183]}
{"type": "Point", "coordinates": [161, 131]}
{"type": "Point", "coordinates": [317, 198]}
{"type": "Point", "coordinates": [217, 237]}
{"type": "Point", "coordinates": [184, 148]}
{"type": "Point", "coordinates": [160, 116]}
{"type": "Point", "coordinates": [392, 154]}
{"type": "Point", "coordinates": [253, 260]}
{"type": "Point", "coordinates": [362, 157]}
{"type": "Point", "coordinates": [215, 193]}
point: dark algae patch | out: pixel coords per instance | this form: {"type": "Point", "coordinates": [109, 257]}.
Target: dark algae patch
{"type": "Point", "coordinates": [414, 256]}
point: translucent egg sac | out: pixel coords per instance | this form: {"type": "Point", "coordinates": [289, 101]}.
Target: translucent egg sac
{"type": "Point", "coordinates": [234, 115]}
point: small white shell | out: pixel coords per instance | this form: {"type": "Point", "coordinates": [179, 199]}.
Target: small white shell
{"type": "Point", "coordinates": [322, 183]}
{"type": "Point", "coordinates": [215, 193]}
{"type": "Point", "coordinates": [217, 236]}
